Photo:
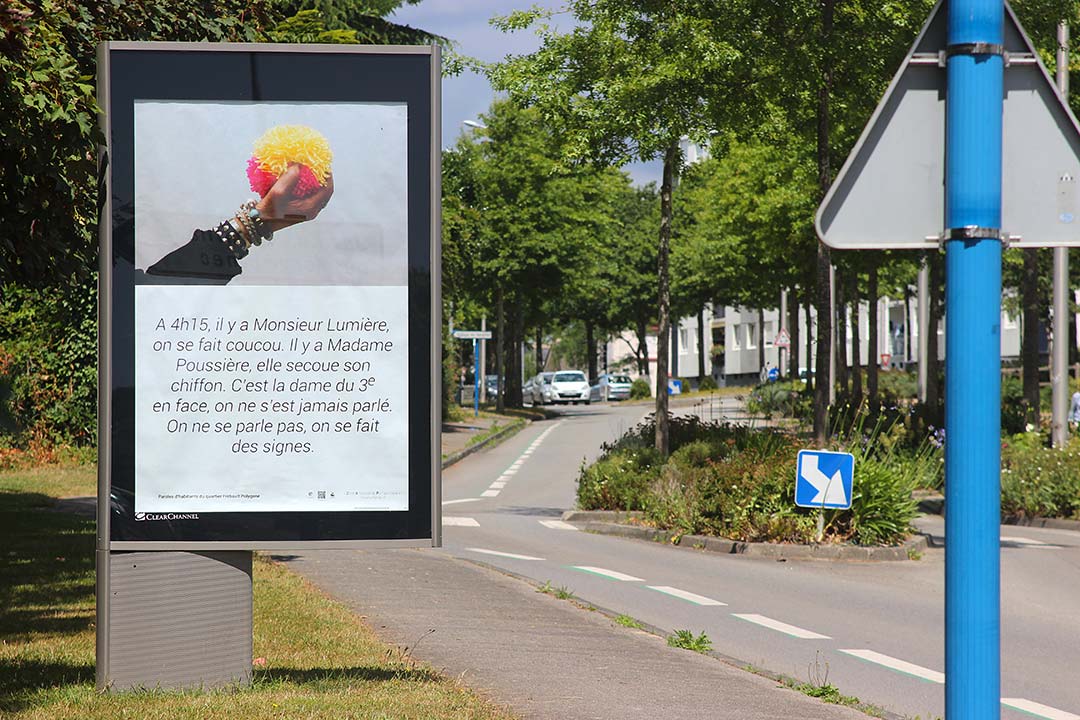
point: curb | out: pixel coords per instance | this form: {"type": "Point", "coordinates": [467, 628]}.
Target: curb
{"type": "Point", "coordinates": [498, 437]}
{"type": "Point", "coordinates": [608, 522]}
{"type": "Point", "coordinates": [935, 505]}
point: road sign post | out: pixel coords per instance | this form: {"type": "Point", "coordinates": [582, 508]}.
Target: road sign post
{"type": "Point", "coordinates": [477, 381]}
{"type": "Point", "coordinates": [973, 151]}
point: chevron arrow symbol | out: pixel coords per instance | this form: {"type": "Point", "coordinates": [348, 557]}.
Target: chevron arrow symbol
{"type": "Point", "coordinates": [830, 490]}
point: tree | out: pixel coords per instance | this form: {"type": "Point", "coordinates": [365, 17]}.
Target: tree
{"type": "Point", "coordinates": [630, 80]}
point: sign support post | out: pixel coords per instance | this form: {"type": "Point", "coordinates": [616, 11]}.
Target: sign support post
{"type": "Point", "coordinates": [973, 181]}
{"type": "Point", "coordinates": [1059, 364]}
{"type": "Point", "coordinates": [478, 381]}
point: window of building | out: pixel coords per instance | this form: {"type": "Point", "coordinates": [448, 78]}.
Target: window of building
{"type": "Point", "coordinates": [684, 340]}
{"type": "Point", "coordinates": [770, 333]}
{"type": "Point", "coordinates": [736, 339]}
{"type": "Point", "coordinates": [751, 336]}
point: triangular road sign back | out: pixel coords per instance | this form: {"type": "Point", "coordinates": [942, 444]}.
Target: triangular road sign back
{"type": "Point", "coordinates": [890, 191]}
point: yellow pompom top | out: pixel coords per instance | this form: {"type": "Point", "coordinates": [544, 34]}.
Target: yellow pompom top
{"type": "Point", "coordinates": [283, 144]}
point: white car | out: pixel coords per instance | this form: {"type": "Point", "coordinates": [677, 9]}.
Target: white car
{"type": "Point", "coordinates": [567, 386]}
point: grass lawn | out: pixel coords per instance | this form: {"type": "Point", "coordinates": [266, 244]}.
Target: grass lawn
{"type": "Point", "coordinates": [321, 661]}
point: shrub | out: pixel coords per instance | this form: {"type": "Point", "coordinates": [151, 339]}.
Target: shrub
{"type": "Point", "coordinates": [777, 398]}
{"type": "Point", "coordinates": [619, 481]}
{"type": "Point", "coordinates": [48, 364]}
{"type": "Point", "coordinates": [1037, 481]}
{"type": "Point", "coordinates": [707, 384]}
{"type": "Point", "coordinates": [639, 389]}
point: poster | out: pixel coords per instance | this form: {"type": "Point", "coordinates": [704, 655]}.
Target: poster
{"type": "Point", "coordinates": [283, 361]}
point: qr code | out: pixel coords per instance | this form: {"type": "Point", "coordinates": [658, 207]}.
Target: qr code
{"type": "Point", "coordinates": [322, 494]}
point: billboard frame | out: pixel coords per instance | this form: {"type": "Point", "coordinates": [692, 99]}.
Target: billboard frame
{"type": "Point", "coordinates": [107, 414]}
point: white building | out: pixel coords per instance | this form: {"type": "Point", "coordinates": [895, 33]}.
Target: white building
{"type": "Point", "coordinates": [736, 338]}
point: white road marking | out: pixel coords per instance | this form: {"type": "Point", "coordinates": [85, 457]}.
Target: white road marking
{"type": "Point", "coordinates": [614, 575]}
{"type": "Point", "coordinates": [513, 556]}
{"type": "Point", "coordinates": [557, 525]}
{"type": "Point", "coordinates": [462, 500]}
{"type": "Point", "coordinates": [458, 521]}
{"type": "Point", "coordinates": [1028, 542]}
{"type": "Point", "coordinates": [510, 471]}
{"type": "Point", "coordinates": [1038, 709]}
{"type": "Point", "coordinates": [490, 493]}
{"type": "Point", "coordinates": [781, 626]}
{"type": "Point", "coordinates": [683, 594]}
{"type": "Point", "coordinates": [901, 666]}
{"type": "Point", "coordinates": [497, 485]}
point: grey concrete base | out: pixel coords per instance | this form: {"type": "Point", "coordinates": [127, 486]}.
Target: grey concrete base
{"type": "Point", "coordinates": [608, 522]}
{"type": "Point", "coordinates": [177, 620]}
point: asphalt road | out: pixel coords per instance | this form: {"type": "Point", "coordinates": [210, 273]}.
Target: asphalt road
{"type": "Point", "coordinates": [875, 630]}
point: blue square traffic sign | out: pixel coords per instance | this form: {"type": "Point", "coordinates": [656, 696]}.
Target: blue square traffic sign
{"type": "Point", "coordinates": [823, 479]}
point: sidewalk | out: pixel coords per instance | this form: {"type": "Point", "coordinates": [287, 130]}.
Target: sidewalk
{"type": "Point", "coordinates": [544, 658]}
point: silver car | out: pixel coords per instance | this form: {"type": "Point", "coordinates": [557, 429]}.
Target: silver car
{"type": "Point", "coordinates": [540, 388]}
{"type": "Point", "coordinates": [611, 387]}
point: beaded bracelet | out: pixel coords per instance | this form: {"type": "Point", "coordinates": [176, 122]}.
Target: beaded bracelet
{"type": "Point", "coordinates": [251, 212]}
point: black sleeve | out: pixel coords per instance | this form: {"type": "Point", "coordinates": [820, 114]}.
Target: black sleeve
{"type": "Point", "coordinates": [204, 256]}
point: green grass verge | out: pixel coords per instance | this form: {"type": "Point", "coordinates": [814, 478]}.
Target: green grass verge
{"type": "Point", "coordinates": [321, 661]}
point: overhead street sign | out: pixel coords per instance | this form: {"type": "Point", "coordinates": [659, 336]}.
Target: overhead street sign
{"type": "Point", "coordinates": [889, 194]}
{"type": "Point", "coordinates": [472, 334]}
{"type": "Point", "coordinates": [823, 479]}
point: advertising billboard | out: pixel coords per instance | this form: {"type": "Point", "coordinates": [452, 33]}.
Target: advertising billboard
{"type": "Point", "coordinates": [269, 296]}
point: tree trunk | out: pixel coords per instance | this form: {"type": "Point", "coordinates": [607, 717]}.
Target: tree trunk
{"type": "Point", "coordinates": [642, 353]}
{"type": "Point", "coordinates": [701, 346]}
{"type": "Point", "coordinates": [793, 336]}
{"type": "Point", "coordinates": [671, 156]}
{"type": "Point", "coordinates": [873, 350]}
{"type": "Point", "coordinates": [517, 359]}
{"type": "Point", "coordinates": [842, 368]}
{"type": "Point", "coordinates": [856, 350]}
{"type": "Point", "coordinates": [761, 340]}
{"type": "Point", "coordinates": [500, 350]}
{"type": "Point", "coordinates": [933, 387]}
{"type": "Point", "coordinates": [824, 330]}
{"type": "Point", "coordinates": [1029, 350]}
{"type": "Point", "coordinates": [539, 349]}
{"type": "Point", "coordinates": [590, 348]}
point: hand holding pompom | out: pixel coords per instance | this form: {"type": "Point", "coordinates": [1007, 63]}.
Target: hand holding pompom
{"type": "Point", "coordinates": [283, 206]}
{"type": "Point", "coordinates": [285, 145]}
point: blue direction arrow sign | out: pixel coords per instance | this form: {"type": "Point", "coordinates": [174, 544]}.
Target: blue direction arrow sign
{"type": "Point", "coordinates": [823, 479]}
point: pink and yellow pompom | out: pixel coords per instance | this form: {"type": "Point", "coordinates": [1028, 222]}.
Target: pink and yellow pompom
{"type": "Point", "coordinates": [284, 144]}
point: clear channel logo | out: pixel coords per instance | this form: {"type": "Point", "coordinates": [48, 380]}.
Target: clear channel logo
{"type": "Point", "coordinates": [143, 516]}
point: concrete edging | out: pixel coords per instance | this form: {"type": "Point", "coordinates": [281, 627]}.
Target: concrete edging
{"type": "Point", "coordinates": [498, 437]}
{"type": "Point", "coordinates": [935, 505]}
{"type": "Point", "coordinates": [612, 522]}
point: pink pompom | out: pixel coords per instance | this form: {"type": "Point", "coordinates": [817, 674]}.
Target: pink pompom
{"type": "Point", "coordinates": [261, 180]}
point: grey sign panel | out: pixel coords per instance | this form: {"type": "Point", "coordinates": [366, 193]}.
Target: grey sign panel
{"type": "Point", "coordinates": [890, 192]}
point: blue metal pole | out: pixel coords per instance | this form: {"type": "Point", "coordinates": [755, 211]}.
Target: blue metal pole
{"type": "Point", "coordinates": [476, 377]}
{"type": "Point", "coordinates": [973, 360]}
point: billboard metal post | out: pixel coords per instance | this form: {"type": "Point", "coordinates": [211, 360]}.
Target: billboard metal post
{"type": "Point", "coordinates": [1059, 365]}
{"type": "Point", "coordinates": [975, 69]}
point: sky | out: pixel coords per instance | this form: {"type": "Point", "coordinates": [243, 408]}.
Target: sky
{"type": "Point", "coordinates": [465, 22]}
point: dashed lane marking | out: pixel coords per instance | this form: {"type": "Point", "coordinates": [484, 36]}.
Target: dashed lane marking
{"type": "Point", "coordinates": [783, 627]}
{"type": "Point", "coordinates": [604, 572]}
{"type": "Point", "coordinates": [900, 666]}
{"type": "Point", "coordinates": [1028, 542]}
{"type": "Point", "coordinates": [684, 595]}
{"type": "Point", "coordinates": [499, 553]}
{"type": "Point", "coordinates": [1038, 709]}
{"type": "Point", "coordinates": [458, 521]}
{"type": "Point", "coordinates": [490, 493]}
{"type": "Point", "coordinates": [462, 500]}
{"type": "Point", "coordinates": [557, 525]}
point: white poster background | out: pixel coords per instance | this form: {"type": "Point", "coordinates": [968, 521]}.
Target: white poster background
{"type": "Point", "coordinates": [191, 470]}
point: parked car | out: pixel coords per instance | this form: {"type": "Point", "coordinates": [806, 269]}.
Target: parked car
{"type": "Point", "coordinates": [611, 387]}
{"type": "Point", "coordinates": [491, 385]}
{"type": "Point", "coordinates": [568, 386]}
{"type": "Point", "coordinates": [541, 392]}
